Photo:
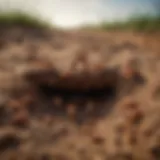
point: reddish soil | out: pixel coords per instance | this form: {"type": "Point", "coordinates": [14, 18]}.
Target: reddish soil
{"type": "Point", "coordinates": [79, 95]}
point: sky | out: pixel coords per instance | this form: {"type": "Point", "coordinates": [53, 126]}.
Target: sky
{"type": "Point", "coordinates": [72, 13]}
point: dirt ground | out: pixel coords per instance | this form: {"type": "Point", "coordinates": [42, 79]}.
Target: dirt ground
{"type": "Point", "coordinates": [79, 95]}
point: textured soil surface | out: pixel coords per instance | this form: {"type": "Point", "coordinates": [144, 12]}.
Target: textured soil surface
{"type": "Point", "coordinates": [79, 95]}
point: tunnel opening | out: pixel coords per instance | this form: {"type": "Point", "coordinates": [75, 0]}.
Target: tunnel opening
{"type": "Point", "coordinates": [108, 92]}
{"type": "Point", "coordinates": [91, 95]}
{"type": "Point", "coordinates": [93, 102]}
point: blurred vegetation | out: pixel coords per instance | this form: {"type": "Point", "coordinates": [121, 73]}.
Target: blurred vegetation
{"type": "Point", "coordinates": [136, 23]}
{"type": "Point", "coordinates": [18, 18]}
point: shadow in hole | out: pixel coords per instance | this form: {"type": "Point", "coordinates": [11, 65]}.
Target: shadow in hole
{"type": "Point", "coordinates": [102, 101]}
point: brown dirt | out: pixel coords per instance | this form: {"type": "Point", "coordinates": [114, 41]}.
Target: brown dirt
{"type": "Point", "coordinates": [79, 95]}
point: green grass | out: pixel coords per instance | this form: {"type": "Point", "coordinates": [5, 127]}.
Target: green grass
{"type": "Point", "coordinates": [136, 23]}
{"type": "Point", "coordinates": [22, 19]}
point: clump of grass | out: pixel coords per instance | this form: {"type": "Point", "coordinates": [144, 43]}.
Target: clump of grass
{"type": "Point", "coordinates": [136, 23]}
{"type": "Point", "coordinates": [22, 19]}
{"type": "Point", "coordinates": [141, 23]}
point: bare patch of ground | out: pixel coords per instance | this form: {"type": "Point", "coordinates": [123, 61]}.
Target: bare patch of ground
{"type": "Point", "coordinates": [79, 95]}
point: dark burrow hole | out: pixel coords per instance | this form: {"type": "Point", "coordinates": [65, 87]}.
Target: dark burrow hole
{"type": "Point", "coordinates": [67, 94]}
{"type": "Point", "coordinates": [102, 100]}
